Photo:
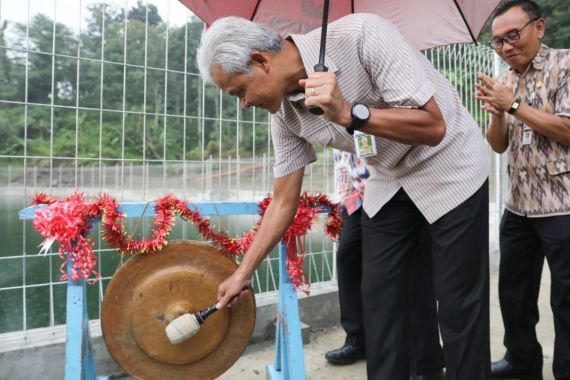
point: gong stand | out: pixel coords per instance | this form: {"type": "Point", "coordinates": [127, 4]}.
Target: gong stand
{"type": "Point", "coordinates": [289, 358]}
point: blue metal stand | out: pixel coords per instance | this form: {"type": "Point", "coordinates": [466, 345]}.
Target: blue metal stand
{"type": "Point", "coordinates": [79, 363]}
{"type": "Point", "coordinates": [289, 359]}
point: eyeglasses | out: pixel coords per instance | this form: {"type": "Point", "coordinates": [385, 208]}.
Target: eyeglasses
{"type": "Point", "coordinates": [512, 37]}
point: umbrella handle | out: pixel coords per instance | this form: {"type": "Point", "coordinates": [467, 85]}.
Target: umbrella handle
{"type": "Point", "coordinates": [320, 67]}
{"type": "Point", "coordinates": [316, 110]}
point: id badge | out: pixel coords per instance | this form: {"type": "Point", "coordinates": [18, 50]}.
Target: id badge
{"type": "Point", "coordinates": [527, 135]}
{"type": "Point", "coordinates": [365, 144]}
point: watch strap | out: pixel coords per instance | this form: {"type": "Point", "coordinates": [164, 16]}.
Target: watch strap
{"type": "Point", "coordinates": [514, 106]}
{"type": "Point", "coordinates": [357, 122]}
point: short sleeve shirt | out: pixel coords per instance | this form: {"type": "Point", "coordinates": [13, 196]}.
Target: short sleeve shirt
{"type": "Point", "coordinates": [539, 172]}
{"type": "Point", "coordinates": [376, 66]}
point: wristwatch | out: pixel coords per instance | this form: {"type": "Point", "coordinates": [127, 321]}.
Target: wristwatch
{"type": "Point", "coordinates": [515, 106]}
{"type": "Point", "coordinates": [360, 114]}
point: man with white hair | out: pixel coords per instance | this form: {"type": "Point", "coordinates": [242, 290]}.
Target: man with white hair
{"type": "Point", "coordinates": [428, 163]}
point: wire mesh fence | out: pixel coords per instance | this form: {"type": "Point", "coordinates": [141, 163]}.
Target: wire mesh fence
{"type": "Point", "coordinates": [104, 96]}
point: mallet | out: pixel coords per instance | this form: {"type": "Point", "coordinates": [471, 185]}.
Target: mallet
{"type": "Point", "coordinates": [188, 325]}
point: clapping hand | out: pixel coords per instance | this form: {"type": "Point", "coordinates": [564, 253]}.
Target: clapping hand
{"type": "Point", "coordinates": [496, 96]}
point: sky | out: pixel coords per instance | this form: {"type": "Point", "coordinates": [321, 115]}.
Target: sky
{"type": "Point", "coordinates": [72, 12]}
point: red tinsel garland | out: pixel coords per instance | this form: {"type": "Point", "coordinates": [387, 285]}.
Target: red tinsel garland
{"type": "Point", "coordinates": [68, 221]}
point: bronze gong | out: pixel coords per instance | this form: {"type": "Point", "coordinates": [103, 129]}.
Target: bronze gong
{"type": "Point", "coordinates": [152, 289]}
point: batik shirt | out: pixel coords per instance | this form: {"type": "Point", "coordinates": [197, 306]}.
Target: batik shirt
{"type": "Point", "coordinates": [350, 174]}
{"type": "Point", "coordinates": [539, 172]}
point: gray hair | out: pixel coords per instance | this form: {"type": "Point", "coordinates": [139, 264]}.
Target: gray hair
{"type": "Point", "coordinates": [229, 42]}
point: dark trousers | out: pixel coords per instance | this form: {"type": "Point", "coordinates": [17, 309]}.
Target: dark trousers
{"type": "Point", "coordinates": [349, 274]}
{"type": "Point", "coordinates": [524, 244]}
{"type": "Point", "coordinates": [460, 244]}
{"type": "Point", "coordinates": [426, 353]}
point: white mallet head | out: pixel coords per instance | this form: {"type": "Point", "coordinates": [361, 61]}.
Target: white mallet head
{"type": "Point", "coordinates": [182, 328]}
{"type": "Point", "coordinates": [188, 325]}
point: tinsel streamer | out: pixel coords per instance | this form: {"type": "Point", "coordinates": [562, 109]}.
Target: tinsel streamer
{"type": "Point", "coordinates": [68, 222]}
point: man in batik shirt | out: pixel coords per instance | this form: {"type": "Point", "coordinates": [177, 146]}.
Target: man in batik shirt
{"type": "Point", "coordinates": [530, 115]}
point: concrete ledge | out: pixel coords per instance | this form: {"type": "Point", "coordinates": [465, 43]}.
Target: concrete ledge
{"type": "Point", "coordinates": [40, 354]}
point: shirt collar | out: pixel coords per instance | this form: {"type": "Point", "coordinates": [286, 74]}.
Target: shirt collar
{"type": "Point", "coordinates": [540, 57]}
{"type": "Point", "coordinates": [309, 51]}
{"type": "Point", "coordinates": [537, 62]}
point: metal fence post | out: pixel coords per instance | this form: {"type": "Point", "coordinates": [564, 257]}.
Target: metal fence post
{"type": "Point", "coordinates": [289, 359]}
{"type": "Point", "coordinates": [79, 363]}
{"type": "Point", "coordinates": [497, 66]}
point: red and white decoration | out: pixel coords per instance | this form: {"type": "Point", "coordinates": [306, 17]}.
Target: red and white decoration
{"type": "Point", "coordinates": [69, 221]}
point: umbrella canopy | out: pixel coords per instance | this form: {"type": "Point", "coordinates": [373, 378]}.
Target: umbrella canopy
{"type": "Point", "coordinates": [424, 23]}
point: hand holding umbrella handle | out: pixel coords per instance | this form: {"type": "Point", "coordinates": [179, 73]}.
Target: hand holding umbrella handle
{"type": "Point", "coordinates": [320, 67]}
{"type": "Point", "coordinates": [316, 110]}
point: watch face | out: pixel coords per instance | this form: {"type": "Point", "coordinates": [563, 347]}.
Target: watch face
{"type": "Point", "coordinates": [514, 107]}
{"type": "Point", "coordinates": [360, 111]}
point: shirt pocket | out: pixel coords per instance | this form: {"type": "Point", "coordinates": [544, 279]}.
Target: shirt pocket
{"type": "Point", "coordinates": [558, 166]}
{"type": "Point", "coordinates": [320, 134]}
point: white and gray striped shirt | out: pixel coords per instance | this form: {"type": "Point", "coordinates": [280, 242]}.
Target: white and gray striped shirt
{"type": "Point", "coordinates": [377, 67]}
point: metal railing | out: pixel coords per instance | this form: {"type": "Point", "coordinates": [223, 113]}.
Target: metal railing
{"type": "Point", "coordinates": [103, 96]}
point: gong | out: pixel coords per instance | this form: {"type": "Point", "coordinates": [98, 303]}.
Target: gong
{"type": "Point", "coordinates": [150, 290]}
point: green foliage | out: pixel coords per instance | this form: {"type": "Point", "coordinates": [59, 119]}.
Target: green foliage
{"type": "Point", "coordinates": [557, 26]}
{"type": "Point", "coordinates": [148, 109]}
{"type": "Point", "coordinates": [159, 119]}
{"type": "Point", "coordinates": [140, 13]}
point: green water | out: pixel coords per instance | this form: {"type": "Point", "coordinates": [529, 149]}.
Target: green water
{"type": "Point", "coordinates": [21, 265]}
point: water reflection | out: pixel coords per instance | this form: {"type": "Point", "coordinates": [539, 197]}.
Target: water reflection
{"type": "Point", "coordinates": [42, 299]}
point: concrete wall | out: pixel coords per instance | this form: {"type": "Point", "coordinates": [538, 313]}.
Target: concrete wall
{"type": "Point", "coordinates": [45, 361]}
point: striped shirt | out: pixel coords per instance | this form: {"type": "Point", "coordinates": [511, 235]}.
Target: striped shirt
{"type": "Point", "coordinates": [376, 66]}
